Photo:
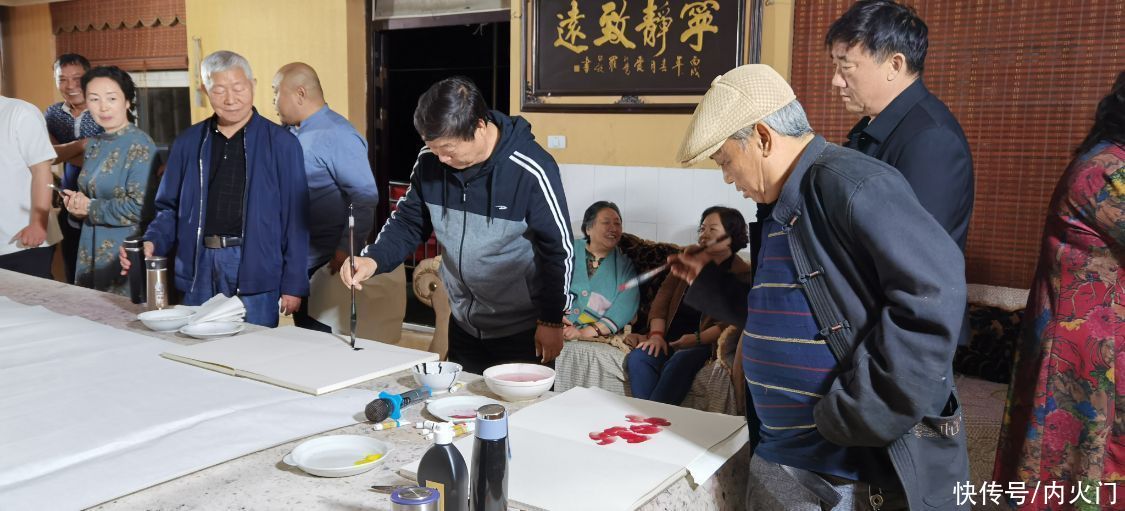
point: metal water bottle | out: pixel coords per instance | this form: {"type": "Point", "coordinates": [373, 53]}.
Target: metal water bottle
{"type": "Point", "coordinates": [134, 250]}
{"type": "Point", "coordinates": [156, 273]}
{"type": "Point", "coordinates": [488, 486]}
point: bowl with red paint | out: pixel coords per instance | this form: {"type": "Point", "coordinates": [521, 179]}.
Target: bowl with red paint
{"type": "Point", "coordinates": [519, 382]}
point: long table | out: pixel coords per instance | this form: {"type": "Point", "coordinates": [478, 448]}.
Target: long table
{"type": "Point", "coordinates": [262, 481]}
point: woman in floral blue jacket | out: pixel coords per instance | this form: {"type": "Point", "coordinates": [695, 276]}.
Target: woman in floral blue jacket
{"type": "Point", "coordinates": [113, 196]}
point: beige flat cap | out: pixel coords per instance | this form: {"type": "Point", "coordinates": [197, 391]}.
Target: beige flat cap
{"type": "Point", "coordinates": [740, 98]}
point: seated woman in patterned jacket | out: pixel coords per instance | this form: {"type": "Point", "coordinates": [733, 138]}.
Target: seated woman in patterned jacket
{"type": "Point", "coordinates": [599, 307]}
{"type": "Point", "coordinates": [662, 370]}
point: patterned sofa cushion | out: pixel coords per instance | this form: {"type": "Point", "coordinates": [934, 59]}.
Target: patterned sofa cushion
{"type": "Point", "coordinates": [991, 349]}
{"type": "Point", "coordinates": [646, 255]}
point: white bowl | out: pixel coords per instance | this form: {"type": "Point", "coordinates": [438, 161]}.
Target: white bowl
{"type": "Point", "coordinates": [519, 382]}
{"type": "Point", "coordinates": [336, 455]}
{"type": "Point", "coordinates": [166, 320]}
{"type": "Point", "coordinates": [436, 375]}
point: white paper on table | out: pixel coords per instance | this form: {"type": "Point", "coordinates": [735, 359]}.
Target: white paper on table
{"type": "Point", "coordinates": [688, 442]}
{"type": "Point", "coordinates": [300, 359]}
{"type": "Point", "coordinates": [555, 433]}
{"type": "Point", "coordinates": [91, 413]}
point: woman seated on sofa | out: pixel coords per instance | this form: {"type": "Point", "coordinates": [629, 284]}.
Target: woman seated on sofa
{"type": "Point", "coordinates": [663, 371]}
{"type": "Point", "coordinates": [599, 308]}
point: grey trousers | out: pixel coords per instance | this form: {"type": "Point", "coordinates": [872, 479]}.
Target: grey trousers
{"type": "Point", "coordinates": [770, 488]}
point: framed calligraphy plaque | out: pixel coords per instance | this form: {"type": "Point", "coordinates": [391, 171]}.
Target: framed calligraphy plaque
{"type": "Point", "coordinates": [632, 55]}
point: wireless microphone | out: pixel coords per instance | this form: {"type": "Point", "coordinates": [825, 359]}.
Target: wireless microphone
{"type": "Point", "coordinates": [391, 405]}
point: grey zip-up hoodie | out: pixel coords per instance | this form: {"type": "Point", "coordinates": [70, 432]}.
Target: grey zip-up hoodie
{"type": "Point", "coordinates": [507, 251]}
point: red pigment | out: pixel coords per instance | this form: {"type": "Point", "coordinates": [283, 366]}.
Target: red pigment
{"type": "Point", "coordinates": [519, 377]}
{"type": "Point", "coordinates": [637, 432]}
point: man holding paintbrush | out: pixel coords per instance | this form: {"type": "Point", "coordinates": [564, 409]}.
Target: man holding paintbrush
{"type": "Point", "coordinates": [494, 199]}
{"type": "Point", "coordinates": [851, 321]}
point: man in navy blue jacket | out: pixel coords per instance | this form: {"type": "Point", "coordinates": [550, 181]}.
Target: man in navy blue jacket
{"type": "Point", "coordinates": [494, 198]}
{"type": "Point", "coordinates": [234, 202]}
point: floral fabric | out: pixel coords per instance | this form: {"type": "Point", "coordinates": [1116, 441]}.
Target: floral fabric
{"type": "Point", "coordinates": [1065, 419]}
{"type": "Point", "coordinates": [118, 176]}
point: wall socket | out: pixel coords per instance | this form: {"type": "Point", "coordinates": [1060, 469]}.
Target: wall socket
{"type": "Point", "coordinates": [556, 141]}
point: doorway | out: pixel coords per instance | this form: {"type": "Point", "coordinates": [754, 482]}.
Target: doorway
{"type": "Point", "coordinates": [414, 59]}
{"type": "Point", "coordinates": [407, 60]}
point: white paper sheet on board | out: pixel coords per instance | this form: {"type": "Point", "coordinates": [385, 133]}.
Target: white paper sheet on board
{"type": "Point", "coordinates": [553, 455]}
{"type": "Point", "coordinates": [688, 442]}
{"type": "Point", "coordinates": [300, 359]}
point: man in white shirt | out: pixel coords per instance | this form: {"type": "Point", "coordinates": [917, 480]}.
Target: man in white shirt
{"type": "Point", "coordinates": [25, 200]}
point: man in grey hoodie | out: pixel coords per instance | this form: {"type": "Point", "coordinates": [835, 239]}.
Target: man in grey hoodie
{"type": "Point", "coordinates": [494, 199]}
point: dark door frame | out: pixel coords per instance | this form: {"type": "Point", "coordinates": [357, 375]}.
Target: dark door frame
{"type": "Point", "coordinates": [377, 100]}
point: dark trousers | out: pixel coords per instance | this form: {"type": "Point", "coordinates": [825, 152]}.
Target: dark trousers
{"type": "Point", "coordinates": [665, 378]}
{"type": "Point", "coordinates": [475, 354]}
{"type": "Point", "coordinates": [302, 319]}
{"type": "Point", "coordinates": [69, 244]}
{"type": "Point", "coordinates": [30, 261]}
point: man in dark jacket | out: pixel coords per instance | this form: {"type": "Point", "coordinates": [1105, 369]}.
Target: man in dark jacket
{"type": "Point", "coordinates": [234, 202]}
{"type": "Point", "coordinates": [852, 318]}
{"type": "Point", "coordinates": [494, 198]}
{"type": "Point", "coordinates": [879, 50]}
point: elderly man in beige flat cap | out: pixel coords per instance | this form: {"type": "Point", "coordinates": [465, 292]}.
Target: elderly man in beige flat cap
{"type": "Point", "coordinates": [852, 318]}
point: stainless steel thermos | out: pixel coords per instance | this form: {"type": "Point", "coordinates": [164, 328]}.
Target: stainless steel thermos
{"type": "Point", "coordinates": [134, 250]}
{"type": "Point", "coordinates": [488, 484]}
{"type": "Point", "coordinates": [156, 274]}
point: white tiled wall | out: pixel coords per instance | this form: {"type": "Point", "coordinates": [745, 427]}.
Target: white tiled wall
{"type": "Point", "coordinates": [661, 204]}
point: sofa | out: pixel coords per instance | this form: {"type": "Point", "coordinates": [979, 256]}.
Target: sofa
{"type": "Point", "coordinates": [597, 364]}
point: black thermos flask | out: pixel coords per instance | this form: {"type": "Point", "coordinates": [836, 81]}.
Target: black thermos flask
{"type": "Point", "coordinates": [134, 249]}
{"type": "Point", "coordinates": [488, 486]}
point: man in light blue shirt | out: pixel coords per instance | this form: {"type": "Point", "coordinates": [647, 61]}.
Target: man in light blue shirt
{"type": "Point", "coordinates": [337, 169]}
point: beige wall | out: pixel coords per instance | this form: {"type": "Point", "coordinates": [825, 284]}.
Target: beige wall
{"type": "Point", "coordinates": [641, 140]}
{"type": "Point", "coordinates": [326, 34]}
{"type": "Point", "coordinates": [29, 51]}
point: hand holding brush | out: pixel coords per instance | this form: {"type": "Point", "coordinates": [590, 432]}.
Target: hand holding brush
{"type": "Point", "coordinates": [648, 275]}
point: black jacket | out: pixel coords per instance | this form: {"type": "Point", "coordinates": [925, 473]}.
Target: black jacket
{"type": "Point", "coordinates": [887, 288]}
{"type": "Point", "coordinates": [918, 135]}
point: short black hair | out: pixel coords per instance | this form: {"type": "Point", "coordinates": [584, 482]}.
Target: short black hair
{"type": "Point", "coordinates": [591, 214]}
{"type": "Point", "coordinates": [1109, 119]}
{"type": "Point", "coordinates": [452, 107]}
{"type": "Point", "coordinates": [883, 27]}
{"type": "Point", "coordinates": [70, 59]}
{"type": "Point", "coordinates": [123, 80]}
{"type": "Point", "coordinates": [733, 222]}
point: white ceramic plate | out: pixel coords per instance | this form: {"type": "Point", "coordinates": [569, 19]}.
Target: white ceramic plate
{"type": "Point", "coordinates": [337, 455]}
{"type": "Point", "coordinates": [211, 329]}
{"type": "Point", "coordinates": [458, 408]}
